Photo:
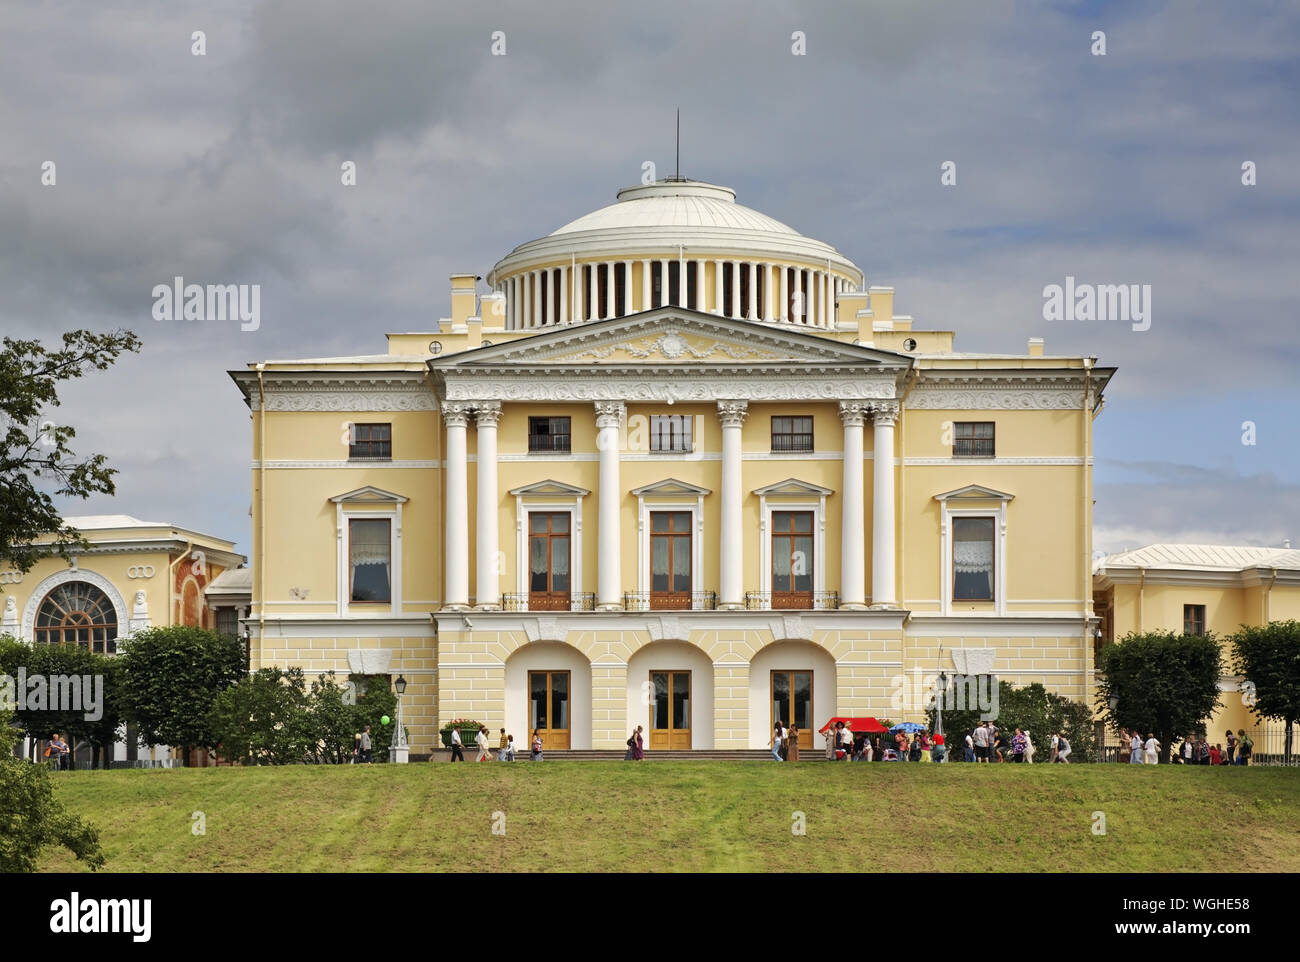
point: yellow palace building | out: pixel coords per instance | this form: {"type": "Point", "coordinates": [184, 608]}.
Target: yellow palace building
{"type": "Point", "coordinates": [677, 467]}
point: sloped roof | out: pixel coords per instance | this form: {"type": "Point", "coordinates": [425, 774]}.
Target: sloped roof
{"type": "Point", "coordinates": [1202, 557]}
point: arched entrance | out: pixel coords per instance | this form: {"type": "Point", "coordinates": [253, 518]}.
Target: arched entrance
{"type": "Point", "coordinates": [670, 694]}
{"type": "Point", "coordinates": [548, 686]}
{"type": "Point", "coordinates": [795, 682]}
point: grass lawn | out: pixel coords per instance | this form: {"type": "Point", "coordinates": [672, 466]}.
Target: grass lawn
{"type": "Point", "coordinates": [691, 816]}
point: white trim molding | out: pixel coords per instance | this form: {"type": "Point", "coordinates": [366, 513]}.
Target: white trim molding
{"type": "Point", "coordinates": [791, 495]}
{"type": "Point", "coordinates": [358, 505]}
{"type": "Point", "coordinates": [670, 495]}
{"type": "Point", "coordinates": [988, 504]}
{"type": "Point", "coordinates": [62, 578]}
{"type": "Point", "coordinates": [553, 496]}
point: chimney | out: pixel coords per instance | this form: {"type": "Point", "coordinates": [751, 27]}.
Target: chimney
{"type": "Point", "coordinates": [464, 299]}
{"type": "Point", "coordinates": [1286, 542]}
{"type": "Point", "coordinates": [1035, 347]}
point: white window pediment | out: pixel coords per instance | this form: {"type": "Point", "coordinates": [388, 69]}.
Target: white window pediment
{"type": "Point", "coordinates": [671, 487]}
{"type": "Point", "coordinates": [369, 494]}
{"type": "Point", "coordinates": [973, 492]}
{"type": "Point", "coordinates": [793, 487]}
{"type": "Point", "coordinates": [549, 489]}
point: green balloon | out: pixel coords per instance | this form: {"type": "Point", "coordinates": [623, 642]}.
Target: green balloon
{"type": "Point", "coordinates": [384, 720]}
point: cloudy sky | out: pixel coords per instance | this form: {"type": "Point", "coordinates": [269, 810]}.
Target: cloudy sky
{"type": "Point", "coordinates": [225, 168]}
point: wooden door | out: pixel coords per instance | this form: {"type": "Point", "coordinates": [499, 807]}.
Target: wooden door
{"type": "Point", "coordinates": [670, 709]}
{"type": "Point", "coordinates": [792, 559]}
{"type": "Point", "coordinates": [792, 703]}
{"type": "Point", "coordinates": [548, 708]}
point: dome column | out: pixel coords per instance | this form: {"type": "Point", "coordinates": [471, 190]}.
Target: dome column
{"type": "Point", "coordinates": [593, 299]}
{"type": "Point", "coordinates": [564, 295]}
{"type": "Point", "coordinates": [735, 290]}
{"type": "Point", "coordinates": [799, 304]}
{"type": "Point", "coordinates": [717, 288]}
{"type": "Point", "coordinates": [647, 286]}
{"type": "Point", "coordinates": [784, 313]}
{"type": "Point", "coordinates": [609, 578]}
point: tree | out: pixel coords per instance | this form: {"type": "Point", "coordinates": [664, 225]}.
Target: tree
{"type": "Point", "coordinates": [335, 722]}
{"type": "Point", "coordinates": [1159, 682]}
{"type": "Point", "coordinates": [171, 678]}
{"type": "Point", "coordinates": [36, 452]}
{"type": "Point", "coordinates": [264, 719]}
{"type": "Point", "coordinates": [39, 719]}
{"type": "Point", "coordinates": [1268, 658]}
{"type": "Point", "coordinates": [1033, 709]}
{"type": "Point", "coordinates": [30, 817]}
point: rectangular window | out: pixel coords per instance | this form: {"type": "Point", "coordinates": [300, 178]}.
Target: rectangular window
{"type": "Point", "coordinates": [670, 432]}
{"type": "Point", "coordinates": [972, 559]}
{"type": "Point", "coordinates": [548, 434]}
{"type": "Point", "coordinates": [792, 434]}
{"type": "Point", "coordinates": [228, 621]}
{"type": "Point", "coordinates": [548, 561]}
{"type": "Point", "coordinates": [370, 552]}
{"type": "Point", "coordinates": [792, 559]}
{"type": "Point", "coordinates": [371, 441]}
{"type": "Point", "coordinates": [670, 559]}
{"type": "Point", "coordinates": [972, 439]}
{"type": "Point", "coordinates": [1193, 619]}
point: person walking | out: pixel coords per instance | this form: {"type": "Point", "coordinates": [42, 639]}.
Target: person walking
{"type": "Point", "coordinates": [970, 749]}
{"type": "Point", "coordinates": [1231, 741]}
{"type": "Point", "coordinates": [1056, 744]}
{"type": "Point", "coordinates": [914, 750]}
{"type": "Point", "coordinates": [1152, 749]}
{"type": "Point", "coordinates": [1137, 750]}
{"type": "Point", "coordinates": [501, 746]}
{"type": "Point", "coordinates": [775, 743]}
{"type": "Point", "coordinates": [1122, 756]}
{"type": "Point", "coordinates": [537, 745]}
{"type": "Point", "coordinates": [828, 736]}
{"type": "Point", "coordinates": [630, 754]}
{"type": "Point", "coordinates": [481, 741]}
{"type": "Point", "coordinates": [792, 743]}
{"type": "Point", "coordinates": [1029, 748]}
{"type": "Point", "coordinates": [1245, 747]}
{"type": "Point", "coordinates": [1018, 747]}
{"type": "Point", "coordinates": [509, 752]}
{"type": "Point", "coordinates": [1187, 754]}
{"type": "Point", "coordinates": [1203, 751]}
{"type": "Point", "coordinates": [57, 751]}
{"type": "Point", "coordinates": [1216, 754]}
{"type": "Point", "coordinates": [1063, 750]}
{"type": "Point", "coordinates": [367, 747]}
{"type": "Point", "coordinates": [638, 747]}
{"type": "Point", "coordinates": [981, 738]}
{"type": "Point", "coordinates": [900, 740]}
{"type": "Point", "coordinates": [939, 750]}
{"type": "Point", "coordinates": [457, 755]}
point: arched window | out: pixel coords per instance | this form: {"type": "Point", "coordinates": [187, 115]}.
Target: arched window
{"type": "Point", "coordinates": [78, 613]}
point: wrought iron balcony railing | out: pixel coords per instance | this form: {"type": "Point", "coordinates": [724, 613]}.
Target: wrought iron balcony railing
{"type": "Point", "coordinates": [670, 601]}
{"type": "Point", "coordinates": [792, 600]}
{"type": "Point", "coordinates": [525, 601]}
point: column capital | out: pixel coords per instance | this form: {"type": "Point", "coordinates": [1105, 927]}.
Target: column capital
{"type": "Point", "coordinates": [455, 414]}
{"type": "Point", "coordinates": [609, 414]}
{"type": "Point", "coordinates": [853, 412]}
{"type": "Point", "coordinates": [487, 413]}
{"type": "Point", "coordinates": [732, 413]}
{"type": "Point", "coordinates": [884, 412]}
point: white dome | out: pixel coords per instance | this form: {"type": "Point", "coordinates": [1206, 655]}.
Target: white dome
{"type": "Point", "coordinates": [682, 204]}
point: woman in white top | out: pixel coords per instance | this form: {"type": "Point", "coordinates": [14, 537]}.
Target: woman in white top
{"type": "Point", "coordinates": [1029, 748]}
{"type": "Point", "coordinates": [1152, 750]}
{"type": "Point", "coordinates": [1138, 755]}
{"type": "Point", "coordinates": [481, 740]}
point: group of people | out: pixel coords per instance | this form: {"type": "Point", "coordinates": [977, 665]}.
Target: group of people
{"type": "Point", "coordinates": [784, 743]}
{"type": "Point", "coordinates": [58, 752]}
{"type": "Point", "coordinates": [988, 743]}
{"type": "Point", "coordinates": [505, 746]}
{"type": "Point", "coordinates": [1194, 749]}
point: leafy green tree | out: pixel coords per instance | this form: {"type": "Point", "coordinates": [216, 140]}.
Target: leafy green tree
{"type": "Point", "coordinates": [30, 817]}
{"type": "Point", "coordinates": [1268, 658]}
{"type": "Point", "coordinates": [35, 452]}
{"type": "Point", "coordinates": [39, 719]}
{"type": "Point", "coordinates": [170, 680]}
{"type": "Point", "coordinates": [1033, 709]}
{"type": "Point", "coordinates": [336, 720]}
{"type": "Point", "coordinates": [1159, 682]}
{"type": "Point", "coordinates": [376, 701]}
{"type": "Point", "coordinates": [265, 719]}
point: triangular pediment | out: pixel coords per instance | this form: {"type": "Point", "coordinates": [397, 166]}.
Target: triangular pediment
{"type": "Point", "coordinates": [672, 335]}
{"type": "Point", "coordinates": [974, 492]}
{"type": "Point", "coordinates": [793, 487]}
{"type": "Point", "coordinates": [368, 494]}
{"type": "Point", "coordinates": [671, 486]}
{"type": "Point", "coordinates": [550, 488]}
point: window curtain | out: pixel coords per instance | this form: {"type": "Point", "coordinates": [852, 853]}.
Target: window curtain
{"type": "Point", "coordinates": [371, 551]}
{"type": "Point", "coordinates": [972, 559]}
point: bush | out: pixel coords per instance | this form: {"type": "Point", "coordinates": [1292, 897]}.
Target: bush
{"type": "Point", "coordinates": [31, 819]}
{"type": "Point", "coordinates": [1033, 709]}
{"type": "Point", "coordinates": [467, 727]}
{"type": "Point", "coordinates": [264, 719]}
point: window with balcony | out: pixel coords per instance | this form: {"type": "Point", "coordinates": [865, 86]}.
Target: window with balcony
{"type": "Point", "coordinates": [792, 559]}
{"type": "Point", "coordinates": [548, 434]}
{"type": "Point", "coordinates": [549, 586]}
{"type": "Point", "coordinates": [972, 439]}
{"type": "Point", "coordinates": [371, 442]}
{"type": "Point", "coordinates": [792, 433]}
{"type": "Point", "coordinates": [671, 433]}
{"type": "Point", "coordinates": [670, 559]}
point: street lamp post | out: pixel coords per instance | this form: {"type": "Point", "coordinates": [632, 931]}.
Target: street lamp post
{"type": "Point", "coordinates": [399, 751]}
{"type": "Point", "coordinates": [938, 701]}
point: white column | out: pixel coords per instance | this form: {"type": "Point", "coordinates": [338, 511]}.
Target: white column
{"type": "Point", "coordinates": [826, 300]}
{"type": "Point", "coordinates": [609, 578]}
{"type": "Point", "coordinates": [768, 299]}
{"type": "Point", "coordinates": [731, 558]}
{"type": "Point", "coordinates": [593, 302]}
{"type": "Point", "coordinates": [513, 313]}
{"type": "Point", "coordinates": [752, 312]}
{"type": "Point", "coordinates": [884, 414]}
{"type": "Point", "coordinates": [853, 550]}
{"type": "Point", "coordinates": [487, 591]}
{"type": "Point", "coordinates": [799, 304]}
{"type": "Point", "coordinates": [578, 306]}
{"type": "Point", "coordinates": [784, 312]}
{"type": "Point", "coordinates": [564, 295]}
{"type": "Point", "coordinates": [646, 281]}
{"type": "Point", "coordinates": [665, 290]}
{"type": "Point", "coordinates": [611, 290]}
{"type": "Point", "coordinates": [525, 301]}
{"type": "Point", "coordinates": [718, 306]}
{"type": "Point", "coordinates": [455, 414]}
{"type": "Point", "coordinates": [626, 267]}
{"type": "Point", "coordinates": [539, 316]}
{"type": "Point", "coordinates": [681, 282]}
{"type": "Point", "coordinates": [735, 290]}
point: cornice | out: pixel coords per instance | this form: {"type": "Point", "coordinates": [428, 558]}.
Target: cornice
{"type": "Point", "coordinates": [596, 385]}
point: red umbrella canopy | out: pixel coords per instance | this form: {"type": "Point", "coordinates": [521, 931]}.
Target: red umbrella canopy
{"type": "Point", "coordinates": [856, 725]}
